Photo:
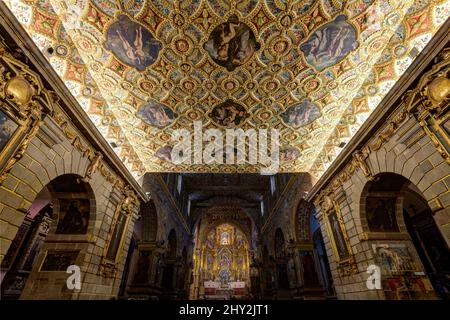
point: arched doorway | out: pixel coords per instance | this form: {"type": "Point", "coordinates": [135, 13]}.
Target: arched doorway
{"type": "Point", "coordinates": [64, 207]}
{"type": "Point", "coordinates": [394, 205]}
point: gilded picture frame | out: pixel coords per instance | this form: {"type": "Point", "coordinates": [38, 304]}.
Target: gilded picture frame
{"type": "Point", "coordinates": [21, 108]}
{"type": "Point", "coordinates": [14, 131]}
{"type": "Point", "coordinates": [113, 249]}
{"type": "Point", "coordinates": [338, 234]}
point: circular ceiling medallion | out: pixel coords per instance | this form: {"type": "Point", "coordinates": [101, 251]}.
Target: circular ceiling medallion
{"type": "Point", "coordinates": [263, 115]}
{"type": "Point", "coordinates": [271, 85]}
{"type": "Point", "coordinates": [127, 85]}
{"type": "Point", "coordinates": [377, 44]}
{"type": "Point", "coordinates": [209, 85]}
{"type": "Point", "coordinates": [231, 44]}
{"type": "Point", "coordinates": [400, 50]}
{"type": "Point", "coordinates": [251, 85]}
{"type": "Point", "coordinates": [188, 84]}
{"type": "Point", "coordinates": [229, 114]}
{"type": "Point", "coordinates": [84, 44]}
{"type": "Point", "coordinates": [311, 85]}
{"type": "Point", "coordinates": [147, 86]}
{"type": "Point", "coordinates": [61, 51]}
{"type": "Point", "coordinates": [230, 85]}
{"type": "Point", "coordinates": [182, 45]}
{"type": "Point", "coordinates": [185, 67]}
{"type": "Point", "coordinates": [280, 46]}
{"type": "Point", "coordinates": [178, 20]}
{"type": "Point", "coordinates": [194, 115]}
{"type": "Point", "coordinates": [168, 85]}
{"type": "Point", "coordinates": [190, 101]}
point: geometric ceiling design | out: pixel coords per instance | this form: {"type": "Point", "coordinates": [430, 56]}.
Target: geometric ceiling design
{"type": "Point", "coordinates": [313, 70]}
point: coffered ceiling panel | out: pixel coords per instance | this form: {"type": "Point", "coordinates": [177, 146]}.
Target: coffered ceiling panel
{"type": "Point", "coordinates": [313, 70]}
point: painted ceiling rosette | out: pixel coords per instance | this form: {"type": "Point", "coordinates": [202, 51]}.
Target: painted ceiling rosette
{"type": "Point", "coordinates": [314, 70]}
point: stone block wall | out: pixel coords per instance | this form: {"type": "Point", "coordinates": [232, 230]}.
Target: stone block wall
{"type": "Point", "coordinates": [403, 147]}
{"type": "Point", "coordinates": [59, 148]}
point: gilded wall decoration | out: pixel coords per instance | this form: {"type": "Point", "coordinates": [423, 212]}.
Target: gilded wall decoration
{"type": "Point", "coordinates": [191, 56]}
{"type": "Point", "coordinates": [112, 254]}
{"type": "Point", "coordinates": [429, 102]}
{"type": "Point", "coordinates": [22, 103]}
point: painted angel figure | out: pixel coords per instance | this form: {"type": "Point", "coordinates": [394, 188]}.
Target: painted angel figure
{"type": "Point", "coordinates": [134, 53]}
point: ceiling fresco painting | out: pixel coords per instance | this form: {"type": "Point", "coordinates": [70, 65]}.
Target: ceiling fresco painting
{"type": "Point", "coordinates": [314, 70]}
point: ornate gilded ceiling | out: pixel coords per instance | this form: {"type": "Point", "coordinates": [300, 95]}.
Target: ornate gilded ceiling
{"type": "Point", "coordinates": [314, 70]}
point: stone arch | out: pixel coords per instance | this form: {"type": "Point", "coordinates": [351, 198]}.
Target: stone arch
{"type": "Point", "coordinates": [399, 185]}
{"type": "Point", "coordinates": [69, 206]}
{"type": "Point", "coordinates": [422, 165]}
{"type": "Point", "coordinates": [381, 193]}
{"type": "Point", "coordinates": [71, 188]}
{"type": "Point", "coordinates": [40, 165]}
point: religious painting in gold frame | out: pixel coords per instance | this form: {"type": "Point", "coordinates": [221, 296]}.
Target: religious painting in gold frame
{"type": "Point", "coordinates": [338, 234]}
{"type": "Point", "coordinates": [20, 111]}
{"type": "Point", "coordinates": [14, 129]}
{"type": "Point", "coordinates": [117, 237]}
{"type": "Point", "coordinates": [10, 128]}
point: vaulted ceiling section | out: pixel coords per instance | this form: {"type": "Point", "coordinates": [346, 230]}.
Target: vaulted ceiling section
{"type": "Point", "coordinates": [313, 70]}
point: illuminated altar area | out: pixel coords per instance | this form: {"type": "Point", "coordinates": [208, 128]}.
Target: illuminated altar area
{"type": "Point", "coordinates": [225, 262]}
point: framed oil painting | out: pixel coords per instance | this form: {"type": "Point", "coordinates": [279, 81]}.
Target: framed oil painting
{"type": "Point", "coordinates": [394, 259]}
{"type": "Point", "coordinates": [8, 127]}
{"type": "Point", "coordinates": [338, 234]}
{"type": "Point", "coordinates": [381, 214]}
{"type": "Point", "coordinates": [73, 216]}
{"type": "Point", "coordinates": [132, 43]}
{"type": "Point", "coordinates": [330, 43]}
{"type": "Point", "coordinates": [58, 260]}
{"type": "Point", "coordinates": [13, 130]}
{"type": "Point", "coordinates": [231, 44]}
{"type": "Point", "coordinates": [116, 239]}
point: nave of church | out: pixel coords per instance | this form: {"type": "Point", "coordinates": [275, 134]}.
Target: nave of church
{"type": "Point", "coordinates": [118, 180]}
